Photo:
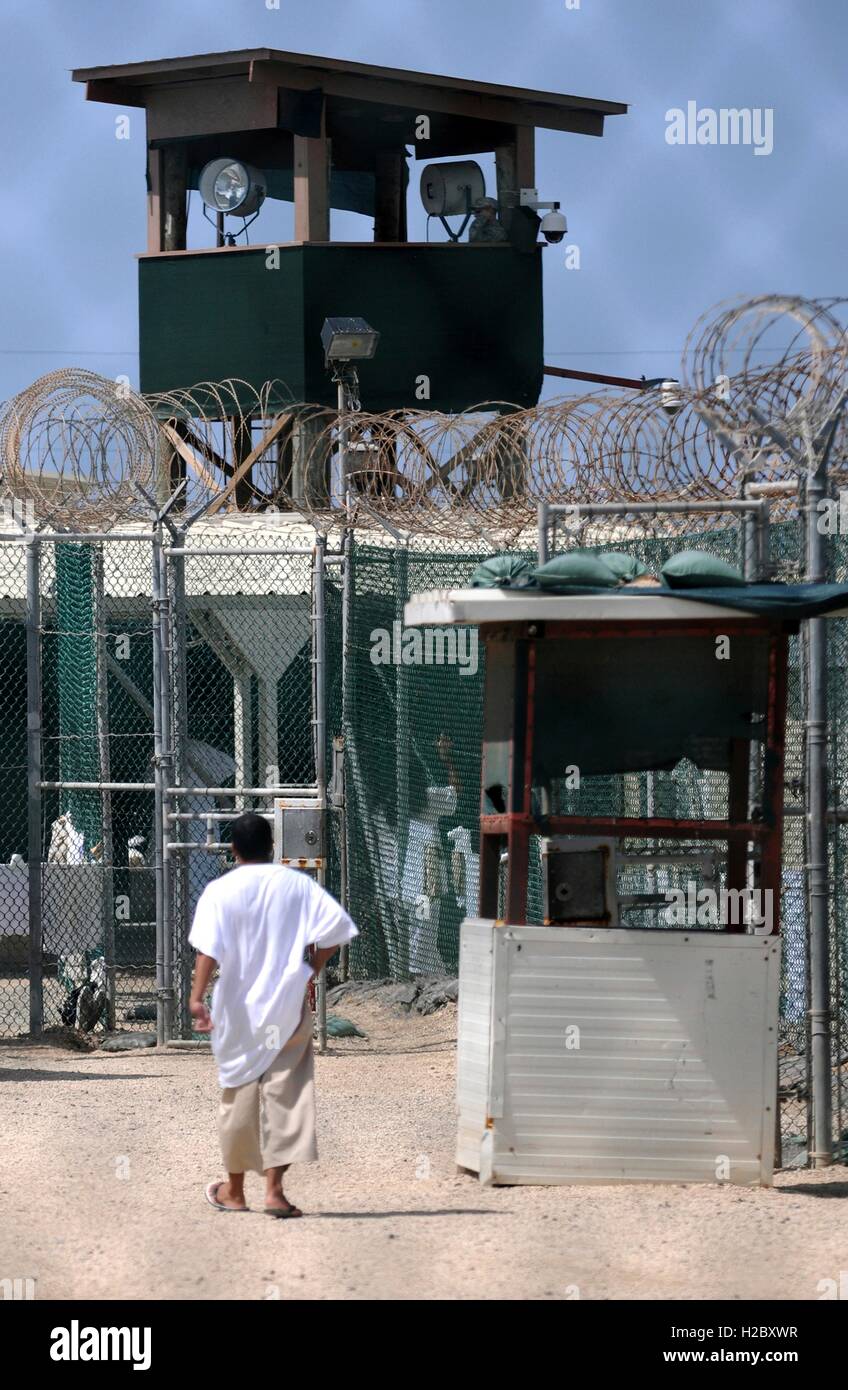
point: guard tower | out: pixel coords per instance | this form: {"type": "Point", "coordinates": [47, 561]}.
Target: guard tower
{"type": "Point", "coordinates": [328, 134]}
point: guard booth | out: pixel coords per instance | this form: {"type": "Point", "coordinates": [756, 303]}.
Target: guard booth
{"type": "Point", "coordinates": [592, 1049]}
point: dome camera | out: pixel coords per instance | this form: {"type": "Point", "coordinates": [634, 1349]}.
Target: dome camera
{"type": "Point", "coordinates": [554, 227]}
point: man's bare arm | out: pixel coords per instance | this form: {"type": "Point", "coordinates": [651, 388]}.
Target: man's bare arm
{"type": "Point", "coordinates": [318, 957]}
{"type": "Point", "coordinates": [204, 967]}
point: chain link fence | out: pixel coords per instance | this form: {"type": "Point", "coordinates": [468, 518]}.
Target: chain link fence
{"type": "Point", "coordinates": [246, 643]}
{"type": "Point", "coordinates": [14, 884]}
{"type": "Point", "coordinates": [413, 722]}
{"type": "Point", "coordinates": [262, 672]}
{"type": "Point", "coordinates": [81, 954]}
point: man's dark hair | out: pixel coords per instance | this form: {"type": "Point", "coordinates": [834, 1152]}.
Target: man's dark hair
{"type": "Point", "coordinates": [252, 839]}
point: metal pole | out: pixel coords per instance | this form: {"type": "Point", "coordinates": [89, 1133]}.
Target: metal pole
{"type": "Point", "coordinates": [403, 753]}
{"type": "Point", "coordinates": [762, 522]}
{"type": "Point", "coordinates": [319, 724]}
{"type": "Point", "coordinates": [341, 403]}
{"type": "Point", "coordinates": [107, 856]}
{"type": "Point", "coordinates": [34, 850]}
{"type": "Point", "coordinates": [821, 1140]}
{"type": "Point", "coordinates": [167, 757]}
{"type": "Point", "coordinates": [555, 509]}
{"type": "Point", "coordinates": [347, 581]}
{"type": "Point", "coordinates": [160, 783]}
{"type": "Point", "coordinates": [755, 551]}
{"type": "Point", "coordinates": [543, 532]}
{"type": "Point", "coordinates": [178, 635]}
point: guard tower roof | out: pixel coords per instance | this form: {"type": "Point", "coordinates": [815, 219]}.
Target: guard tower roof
{"type": "Point", "coordinates": [368, 100]}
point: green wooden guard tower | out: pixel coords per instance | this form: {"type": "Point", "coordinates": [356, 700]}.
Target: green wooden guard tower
{"type": "Point", "coordinates": [327, 134]}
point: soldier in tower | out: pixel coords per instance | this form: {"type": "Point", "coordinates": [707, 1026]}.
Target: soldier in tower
{"type": "Point", "coordinates": [485, 226]}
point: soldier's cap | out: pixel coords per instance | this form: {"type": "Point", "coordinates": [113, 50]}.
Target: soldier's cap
{"type": "Point", "coordinates": [485, 203]}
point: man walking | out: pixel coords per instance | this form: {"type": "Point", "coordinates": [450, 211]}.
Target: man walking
{"type": "Point", "coordinates": [257, 924]}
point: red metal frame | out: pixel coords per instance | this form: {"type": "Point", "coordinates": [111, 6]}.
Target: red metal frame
{"type": "Point", "coordinates": [517, 824]}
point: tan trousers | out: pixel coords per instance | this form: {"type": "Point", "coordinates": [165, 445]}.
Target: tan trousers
{"type": "Point", "coordinates": [270, 1122]}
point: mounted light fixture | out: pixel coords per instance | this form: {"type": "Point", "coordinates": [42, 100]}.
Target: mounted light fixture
{"type": "Point", "coordinates": [348, 340]}
{"type": "Point", "coordinates": [451, 189]}
{"type": "Point", "coordinates": [229, 187]}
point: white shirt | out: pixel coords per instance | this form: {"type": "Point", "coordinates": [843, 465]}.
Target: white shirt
{"type": "Point", "coordinates": [256, 921]}
{"type": "Point", "coordinates": [423, 847]}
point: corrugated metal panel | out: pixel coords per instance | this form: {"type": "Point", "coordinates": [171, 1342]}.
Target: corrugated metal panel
{"type": "Point", "coordinates": [670, 1074]}
{"type": "Point", "coordinates": [474, 1033]}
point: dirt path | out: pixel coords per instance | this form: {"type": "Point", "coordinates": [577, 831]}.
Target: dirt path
{"type": "Point", "coordinates": [105, 1157]}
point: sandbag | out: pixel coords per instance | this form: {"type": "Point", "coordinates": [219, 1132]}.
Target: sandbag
{"type": "Point", "coordinates": [578, 569]}
{"type": "Point", "coordinates": [502, 572]}
{"type": "Point", "coordinates": [694, 569]}
{"type": "Point", "coordinates": [626, 567]}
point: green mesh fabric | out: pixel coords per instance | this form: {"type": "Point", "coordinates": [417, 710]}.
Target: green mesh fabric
{"type": "Point", "coordinates": [79, 755]}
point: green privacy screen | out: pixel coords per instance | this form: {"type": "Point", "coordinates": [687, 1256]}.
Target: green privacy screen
{"type": "Point", "coordinates": [76, 656]}
{"type": "Point", "coordinates": [466, 318]}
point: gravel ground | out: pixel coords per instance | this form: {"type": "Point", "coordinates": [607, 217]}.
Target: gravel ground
{"type": "Point", "coordinates": [106, 1157]}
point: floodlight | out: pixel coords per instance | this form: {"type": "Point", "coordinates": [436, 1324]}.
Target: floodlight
{"type": "Point", "coordinates": [230, 186]}
{"type": "Point", "coordinates": [348, 340]}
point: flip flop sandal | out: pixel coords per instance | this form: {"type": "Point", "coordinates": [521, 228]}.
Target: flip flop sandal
{"type": "Point", "coordinates": [211, 1194]}
{"type": "Point", "coordinates": [287, 1213]}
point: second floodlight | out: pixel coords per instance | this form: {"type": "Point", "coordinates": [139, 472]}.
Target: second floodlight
{"type": "Point", "coordinates": [348, 340]}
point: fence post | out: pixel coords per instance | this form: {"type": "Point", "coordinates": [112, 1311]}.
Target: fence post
{"type": "Point", "coordinates": [34, 779]}
{"type": "Point", "coordinates": [167, 756]}
{"type": "Point", "coordinates": [179, 872]}
{"type": "Point", "coordinates": [403, 754]}
{"type": "Point", "coordinates": [319, 724]}
{"type": "Point", "coordinates": [107, 854]}
{"type": "Point", "coordinates": [159, 795]}
{"type": "Point", "coordinates": [821, 1140]}
{"type": "Point", "coordinates": [347, 582]}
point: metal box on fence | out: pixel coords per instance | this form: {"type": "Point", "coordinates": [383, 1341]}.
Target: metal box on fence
{"type": "Point", "coordinates": [610, 1055]}
{"type": "Point", "coordinates": [299, 832]}
{"type": "Point", "coordinates": [579, 880]}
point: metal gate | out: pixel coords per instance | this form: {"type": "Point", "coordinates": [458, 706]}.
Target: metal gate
{"type": "Point", "coordinates": [244, 716]}
{"type": "Point", "coordinates": [157, 686]}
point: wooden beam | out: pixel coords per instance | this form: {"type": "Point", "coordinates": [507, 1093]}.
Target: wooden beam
{"type": "Point", "coordinates": [154, 202]}
{"type": "Point", "coordinates": [312, 187]}
{"type": "Point", "coordinates": [187, 455]}
{"type": "Point", "coordinates": [113, 94]}
{"type": "Point", "coordinates": [216, 107]}
{"type": "Point", "coordinates": [425, 99]}
{"type": "Point", "coordinates": [174, 175]}
{"type": "Point", "coordinates": [282, 422]}
{"type": "Point", "coordinates": [204, 448]}
{"type": "Point", "coordinates": [390, 196]}
{"type": "Point", "coordinates": [515, 168]}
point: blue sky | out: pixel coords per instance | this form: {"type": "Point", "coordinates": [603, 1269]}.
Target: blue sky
{"type": "Point", "coordinates": [664, 232]}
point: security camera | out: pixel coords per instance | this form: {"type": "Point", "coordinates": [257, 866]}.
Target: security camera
{"type": "Point", "coordinates": [554, 226]}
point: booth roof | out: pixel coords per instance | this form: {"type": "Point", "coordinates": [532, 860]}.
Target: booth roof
{"type": "Point", "coordinates": [788, 603]}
